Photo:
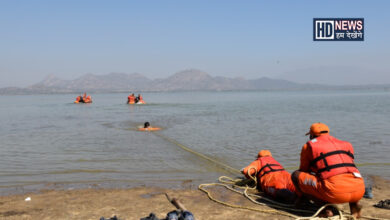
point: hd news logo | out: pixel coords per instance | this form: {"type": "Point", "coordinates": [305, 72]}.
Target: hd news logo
{"type": "Point", "coordinates": [338, 29]}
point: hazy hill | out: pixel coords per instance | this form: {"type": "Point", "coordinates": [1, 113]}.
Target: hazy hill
{"type": "Point", "coordinates": [91, 82]}
{"type": "Point", "coordinates": [268, 83]}
{"type": "Point", "coordinates": [187, 80]}
{"type": "Point", "coordinates": [197, 80]}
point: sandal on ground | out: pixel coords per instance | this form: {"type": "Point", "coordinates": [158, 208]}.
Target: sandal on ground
{"type": "Point", "coordinates": [384, 204]}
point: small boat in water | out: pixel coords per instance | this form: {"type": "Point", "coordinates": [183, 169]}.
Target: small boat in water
{"type": "Point", "coordinates": [83, 99]}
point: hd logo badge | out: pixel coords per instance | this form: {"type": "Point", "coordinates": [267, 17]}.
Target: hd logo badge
{"type": "Point", "coordinates": [338, 29]}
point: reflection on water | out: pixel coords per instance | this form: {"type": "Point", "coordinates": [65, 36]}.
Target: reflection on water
{"type": "Point", "coordinates": [45, 140]}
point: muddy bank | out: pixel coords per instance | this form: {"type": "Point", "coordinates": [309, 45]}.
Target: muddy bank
{"type": "Point", "coordinates": [135, 203]}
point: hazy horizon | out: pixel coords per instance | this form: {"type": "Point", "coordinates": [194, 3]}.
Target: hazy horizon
{"type": "Point", "coordinates": [157, 39]}
{"type": "Point", "coordinates": [323, 79]}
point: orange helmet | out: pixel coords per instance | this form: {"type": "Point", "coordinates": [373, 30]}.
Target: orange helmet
{"type": "Point", "coordinates": [264, 153]}
{"type": "Point", "coordinates": [318, 129]}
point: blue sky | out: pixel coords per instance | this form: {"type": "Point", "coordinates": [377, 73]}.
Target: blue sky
{"type": "Point", "coordinates": [158, 38]}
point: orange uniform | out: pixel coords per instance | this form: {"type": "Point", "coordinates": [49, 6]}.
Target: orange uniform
{"type": "Point", "coordinates": [271, 176]}
{"type": "Point", "coordinates": [139, 99]}
{"type": "Point", "coordinates": [83, 99]}
{"type": "Point", "coordinates": [131, 99]}
{"type": "Point", "coordinates": [87, 99]}
{"type": "Point", "coordinates": [327, 170]}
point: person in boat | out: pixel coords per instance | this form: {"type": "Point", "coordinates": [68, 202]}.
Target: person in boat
{"type": "Point", "coordinates": [327, 172]}
{"type": "Point", "coordinates": [87, 98]}
{"type": "Point", "coordinates": [139, 99]}
{"type": "Point", "coordinates": [271, 177]}
{"type": "Point", "coordinates": [83, 99]}
{"type": "Point", "coordinates": [79, 99]}
{"type": "Point", "coordinates": [131, 99]}
{"type": "Point", "coordinates": [146, 125]}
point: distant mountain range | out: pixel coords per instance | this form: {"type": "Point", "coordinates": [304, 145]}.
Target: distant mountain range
{"type": "Point", "coordinates": [187, 80]}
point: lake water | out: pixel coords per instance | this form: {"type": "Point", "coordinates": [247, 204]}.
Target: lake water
{"type": "Point", "coordinates": [46, 141]}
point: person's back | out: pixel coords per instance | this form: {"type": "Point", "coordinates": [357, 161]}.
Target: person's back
{"type": "Point", "coordinates": [330, 156]}
{"type": "Point", "coordinates": [327, 171]}
{"type": "Point", "coordinates": [271, 177]}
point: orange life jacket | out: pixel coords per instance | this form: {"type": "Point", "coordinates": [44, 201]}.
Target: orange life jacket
{"type": "Point", "coordinates": [131, 99]}
{"type": "Point", "coordinates": [268, 165]}
{"type": "Point", "coordinates": [331, 156]}
{"type": "Point", "coordinates": [149, 129]}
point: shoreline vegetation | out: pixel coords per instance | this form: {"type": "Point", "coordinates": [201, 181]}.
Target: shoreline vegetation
{"type": "Point", "coordinates": [139, 202]}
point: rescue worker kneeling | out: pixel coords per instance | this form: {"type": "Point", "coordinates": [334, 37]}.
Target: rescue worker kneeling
{"type": "Point", "coordinates": [327, 172]}
{"type": "Point", "coordinates": [271, 177]}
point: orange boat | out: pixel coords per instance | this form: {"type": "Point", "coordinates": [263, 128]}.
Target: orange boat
{"type": "Point", "coordinates": [131, 99]}
{"type": "Point", "coordinates": [85, 99]}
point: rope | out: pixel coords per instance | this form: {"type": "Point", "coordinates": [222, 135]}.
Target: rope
{"type": "Point", "coordinates": [230, 181]}
{"type": "Point", "coordinates": [227, 167]}
{"type": "Point", "coordinates": [273, 204]}
{"type": "Point", "coordinates": [271, 211]}
{"type": "Point", "coordinates": [246, 194]}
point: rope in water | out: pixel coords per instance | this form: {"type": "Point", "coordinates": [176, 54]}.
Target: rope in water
{"type": "Point", "coordinates": [247, 195]}
{"type": "Point", "coordinates": [275, 204]}
{"type": "Point", "coordinates": [231, 169]}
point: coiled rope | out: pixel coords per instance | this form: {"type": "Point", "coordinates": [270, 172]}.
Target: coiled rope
{"type": "Point", "coordinates": [230, 183]}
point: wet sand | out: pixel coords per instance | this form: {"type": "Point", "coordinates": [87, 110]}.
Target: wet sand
{"type": "Point", "coordinates": [135, 203]}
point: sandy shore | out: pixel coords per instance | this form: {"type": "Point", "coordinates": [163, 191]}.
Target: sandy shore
{"type": "Point", "coordinates": [139, 202]}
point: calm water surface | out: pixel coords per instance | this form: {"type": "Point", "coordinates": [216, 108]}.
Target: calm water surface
{"type": "Point", "coordinates": [46, 141]}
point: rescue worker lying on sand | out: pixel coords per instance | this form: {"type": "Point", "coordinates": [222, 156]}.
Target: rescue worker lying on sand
{"type": "Point", "coordinates": [271, 177]}
{"type": "Point", "coordinates": [327, 172]}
